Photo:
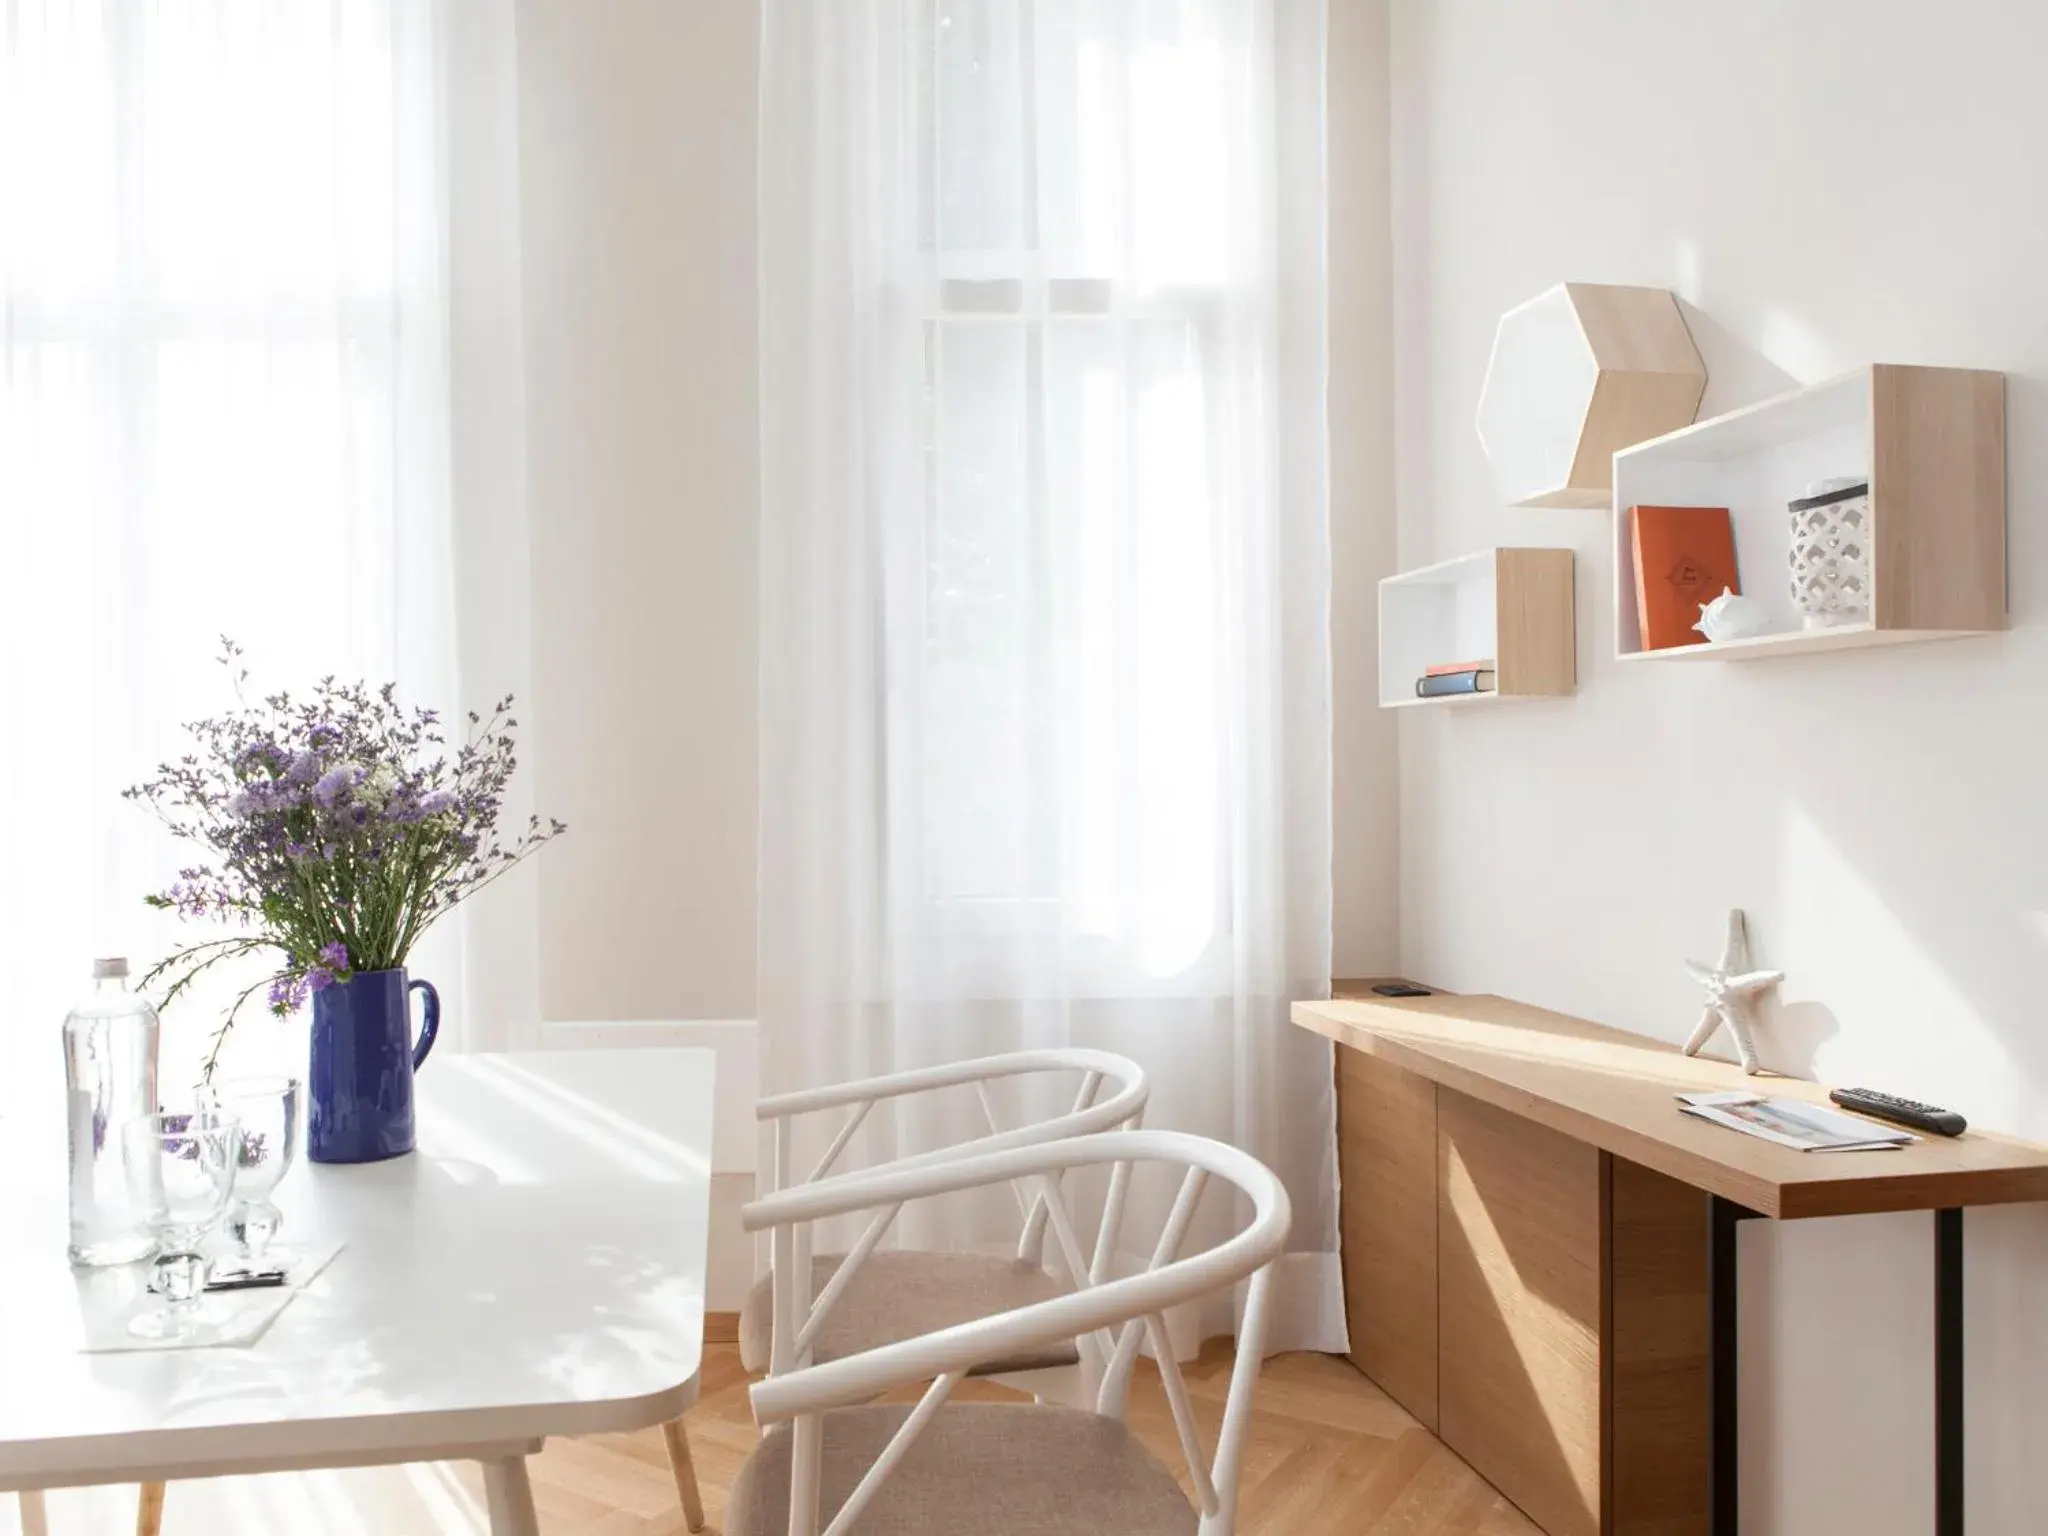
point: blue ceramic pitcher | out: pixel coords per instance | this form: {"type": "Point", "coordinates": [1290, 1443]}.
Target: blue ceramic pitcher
{"type": "Point", "coordinates": [359, 1088]}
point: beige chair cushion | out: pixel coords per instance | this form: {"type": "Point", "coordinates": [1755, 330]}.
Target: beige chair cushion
{"type": "Point", "coordinates": [979, 1469]}
{"type": "Point", "coordinates": [904, 1295]}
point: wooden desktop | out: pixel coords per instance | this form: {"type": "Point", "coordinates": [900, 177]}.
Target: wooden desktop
{"type": "Point", "coordinates": [1539, 1249]}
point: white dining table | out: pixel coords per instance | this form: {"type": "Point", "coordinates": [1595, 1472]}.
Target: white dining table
{"type": "Point", "coordinates": [535, 1268]}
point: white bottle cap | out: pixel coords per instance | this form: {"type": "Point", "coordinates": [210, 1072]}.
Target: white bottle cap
{"type": "Point", "coordinates": [114, 965]}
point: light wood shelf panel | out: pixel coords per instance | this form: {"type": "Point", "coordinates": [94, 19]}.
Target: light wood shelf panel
{"type": "Point", "coordinates": [1847, 637]}
{"type": "Point", "coordinates": [1932, 443]}
{"type": "Point", "coordinates": [1614, 1090]}
{"type": "Point", "coordinates": [1513, 606]}
{"type": "Point", "coordinates": [1576, 373]}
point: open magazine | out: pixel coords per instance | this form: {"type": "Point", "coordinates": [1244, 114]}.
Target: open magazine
{"type": "Point", "coordinates": [1793, 1123]}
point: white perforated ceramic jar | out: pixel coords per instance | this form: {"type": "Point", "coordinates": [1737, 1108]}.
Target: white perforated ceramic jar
{"type": "Point", "coordinates": [1831, 553]}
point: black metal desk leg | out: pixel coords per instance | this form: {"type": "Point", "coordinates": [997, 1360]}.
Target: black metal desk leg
{"type": "Point", "coordinates": [1724, 1294]}
{"type": "Point", "coordinates": [1948, 1373]}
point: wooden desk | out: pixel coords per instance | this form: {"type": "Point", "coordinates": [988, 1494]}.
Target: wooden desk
{"type": "Point", "coordinates": [1539, 1250]}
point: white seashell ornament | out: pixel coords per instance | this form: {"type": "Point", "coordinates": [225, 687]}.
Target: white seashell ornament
{"type": "Point", "coordinates": [1732, 617]}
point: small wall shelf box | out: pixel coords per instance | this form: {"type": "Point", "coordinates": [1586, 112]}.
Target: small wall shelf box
{"type": "Point", "coordinates": [1931, 442]}
{"type": "Point", "coordinates": [1576, 374]}
{"type": "Point", "coordinates": [1510, 606]}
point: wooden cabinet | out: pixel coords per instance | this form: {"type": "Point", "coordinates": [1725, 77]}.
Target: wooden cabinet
{"type": "Point", "coordinates": [1539, 1303]}
{"type": "Point", "coordinates": [1562, 1293]}
{"type": "Point", "coordinates": [1518, 1297]}
{"type": "Point", "coordinates": [1655, 1358]}
{"type": "Point", "coordinates": [1386, 1152]}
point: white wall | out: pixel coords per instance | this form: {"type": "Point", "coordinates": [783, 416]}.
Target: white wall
{"type": "Point", "coordinates": [1365, 770]}
{"type": "Point", "coordinates": [637, 193]}
{"type": "Point", "coordinates": [1824, 184]}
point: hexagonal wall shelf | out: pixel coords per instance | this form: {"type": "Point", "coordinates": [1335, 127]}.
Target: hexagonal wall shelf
{"type": "Point", "coordinates": [1577, 374]}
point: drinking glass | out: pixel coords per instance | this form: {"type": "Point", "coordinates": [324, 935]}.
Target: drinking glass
{"type": "Point", "coordinates": [181, 1168]}
{"type": "Point", "coordinates": [268, 1109]}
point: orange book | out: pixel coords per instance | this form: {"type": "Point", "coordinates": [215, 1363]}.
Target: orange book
{"type": "Point", "coordinates": [1685, 557]}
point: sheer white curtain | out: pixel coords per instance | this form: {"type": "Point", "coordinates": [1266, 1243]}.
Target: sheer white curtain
{"type": "Point", "coordinates": [1045, 734]}
{"type": "Point", "coordinates": [223, 410]}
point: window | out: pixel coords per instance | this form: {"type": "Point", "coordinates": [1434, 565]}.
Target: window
{"type": "Point", "coordinates": [221, 408]}
{"type": "Point", "coordinates": [198, 252]}
{"type": "Point", "coordinates": [1079, 298]}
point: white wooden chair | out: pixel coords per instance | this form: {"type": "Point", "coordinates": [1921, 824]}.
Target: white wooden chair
{"type": "Point", "coordinates": [897, 1293]}
{"type": "Point", "coordinates": [834, 1462]}
{"type": "Point", "coordinates": [890, 1295]}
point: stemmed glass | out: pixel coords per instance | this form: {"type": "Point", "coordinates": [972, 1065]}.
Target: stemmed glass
{"type": "Point", "coordinates": [268, 1109]}
{"type": "Point", "coordinates": [181, 1168]}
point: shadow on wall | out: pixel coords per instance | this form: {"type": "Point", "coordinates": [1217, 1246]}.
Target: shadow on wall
{"type": "Point", "coordinates": [1796, 1034]}
{"type": "Point", "coordinates": [1737, 373]}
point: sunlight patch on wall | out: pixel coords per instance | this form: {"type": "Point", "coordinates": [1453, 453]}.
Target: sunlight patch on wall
{"type": "Point", "coordinates": [1796, 347]}
{"type": "Point", "coordinates": [1902, 1020]}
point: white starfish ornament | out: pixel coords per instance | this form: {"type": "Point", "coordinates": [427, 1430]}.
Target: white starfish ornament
{"type": "Point", "coordinates": [1730, 987]}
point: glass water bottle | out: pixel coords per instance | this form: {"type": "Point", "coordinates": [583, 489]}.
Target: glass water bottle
{"type": "Point", "coordinates": [110, 1068]}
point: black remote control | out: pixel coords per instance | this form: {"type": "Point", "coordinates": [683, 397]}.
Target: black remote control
{"type": "Point", "coordinates": [1887, 1106]}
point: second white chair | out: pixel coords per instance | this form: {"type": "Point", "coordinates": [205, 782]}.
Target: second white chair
{"type": "Point", "coordinates": [833, 1462]}
{"type": "Point", "coordinates": [868, 1298]}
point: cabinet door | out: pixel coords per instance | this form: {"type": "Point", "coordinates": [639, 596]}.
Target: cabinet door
{"type": "Point", "coordinates": [1656, 1354]}
{"type": "Point", "coordinates": [1386, 1152]}
{"type": "Point", "coordinates": [1519, 1253]}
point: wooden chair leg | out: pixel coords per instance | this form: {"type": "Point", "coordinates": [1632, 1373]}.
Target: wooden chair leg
{"type": "Point", "coordinates": [35, 1521]}
{"type": "Point", "coordinates": [149, 1510]}
{"type": "Point", "coordinates": [685, 1473]}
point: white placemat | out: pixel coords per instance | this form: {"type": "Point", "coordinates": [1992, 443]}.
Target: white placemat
{"type": "Point", "coordinates": [235, 1318]}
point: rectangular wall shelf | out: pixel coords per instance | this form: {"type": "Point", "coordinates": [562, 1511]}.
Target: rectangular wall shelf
{"type": "Point", "coordinates": [1510, 606]}
{"type": "Point", "coordinates": [1932, 443]}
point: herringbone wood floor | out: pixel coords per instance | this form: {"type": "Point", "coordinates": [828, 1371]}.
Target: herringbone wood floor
{"type": "Point", "coordinates": [1329, 1455]}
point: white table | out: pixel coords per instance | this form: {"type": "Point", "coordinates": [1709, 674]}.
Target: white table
{"type": "Point", "coordinates": [535, 1268]}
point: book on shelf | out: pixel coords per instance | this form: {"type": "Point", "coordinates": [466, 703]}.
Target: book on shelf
{"type": "Point", "coordinates": [1684, 559]}
{"type": "Point", "coordinates": [1439, 685]}
{"type": "Point", "coordinates": [1446, 668]}
{"type": "Point", "coordinates": [1792, 1123]}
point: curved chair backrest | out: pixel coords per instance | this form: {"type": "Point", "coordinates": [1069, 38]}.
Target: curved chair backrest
{"type": "Point", "coordinates": [1118, 1312]}
{"type": "Point", "coordinates": [1124, 1107]}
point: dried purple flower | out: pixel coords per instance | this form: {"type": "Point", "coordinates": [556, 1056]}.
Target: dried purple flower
{"type": "Point", "coordinates": [334, 783]}
{"type": "Point", "coordinates": [398, 829]}
{"type": "Point", "coordinates": [288, 994]}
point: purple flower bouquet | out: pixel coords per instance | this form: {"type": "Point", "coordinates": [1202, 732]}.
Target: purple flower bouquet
{"type": "Point", "coordinates": [338, 830]}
